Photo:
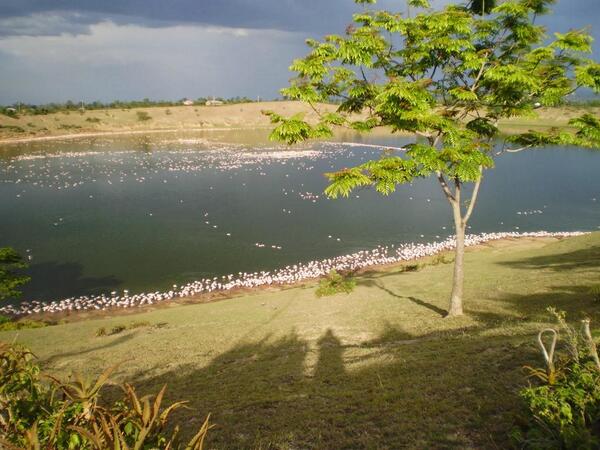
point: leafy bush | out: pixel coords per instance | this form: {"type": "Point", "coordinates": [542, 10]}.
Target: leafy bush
{"type": "Point", "coordinates": [66, 126]}
{"type": "Point", "coordinates": [101, 332]}
{"type": "Point", "coordinates": [23, 324]}
{"type": "Point", "coordinates": [143, 116]}
{"type": "Point", "coordinates": [117, 329]}
{"type": "Point", "coordinates": [595, 292]}
{"type": "Point", "coordinates": [11, 263]}
{"type": "Point", "coordinates": [132, 326]}
{"type": "Point", "coordinates": [562, 409]}
{"type": "Point", "coordinates": [335, 283]}
{"type": "Point", "coordinates": [69, 415]}
{"type": "Point", "coordinates": [13, 128]}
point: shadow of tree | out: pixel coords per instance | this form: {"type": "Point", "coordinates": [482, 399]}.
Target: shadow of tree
{"type": "Point", "coordinates": [107, 344]}
{"type": "Point", "coordinates": [53, 280]}
{"type": "Point", "coordinates": [440, 393]}
{"type": "Point", "coordinates": [579, 259]}
{"type": "Point", "coordinates": [372, 283]}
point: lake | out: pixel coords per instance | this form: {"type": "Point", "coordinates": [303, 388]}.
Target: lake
{"type": "Point", "coordinates": [145, 212]}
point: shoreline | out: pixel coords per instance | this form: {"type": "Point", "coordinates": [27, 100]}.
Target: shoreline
{"type": "Point", "coordinates": [198, 118]}
{"type": "Point", "coordinates": [382, 258]}
{"type": "Point", "coordinates": [95, 134]}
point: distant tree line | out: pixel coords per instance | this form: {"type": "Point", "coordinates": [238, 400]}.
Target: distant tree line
{"type": "Point", "coordinates": [49, 108]}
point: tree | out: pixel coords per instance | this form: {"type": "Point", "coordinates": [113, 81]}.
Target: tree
{"type": "Point", "coordinates": [10, 279]}
{"type": "Point", "coordinates": [447, 77]}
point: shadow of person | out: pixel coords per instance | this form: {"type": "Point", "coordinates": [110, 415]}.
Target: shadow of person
{"type": "Point", "coordinates": [330, 364]}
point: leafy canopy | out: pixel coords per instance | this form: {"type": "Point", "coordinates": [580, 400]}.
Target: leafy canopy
{"type": "Point", "coordinates": [10, 278]}
{"type": "Point", "coordinates": [447, 76]}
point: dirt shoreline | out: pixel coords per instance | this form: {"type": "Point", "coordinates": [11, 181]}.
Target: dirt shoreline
{"type": "Point", "coordinates": [91, 314]}
{"type": "Point", "coordinates": [75, 136]}
{"type": "Point", "coordinates": [199, 118]}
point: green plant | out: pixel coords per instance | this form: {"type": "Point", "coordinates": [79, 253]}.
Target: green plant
{"type": "Point", "coordinates": [71, 414]}
{"type": "Point", "coordinates": [93, 120]}
{"type": "Point", "coordinates": [562, 410]}
{"type": "Point", "coordinates": [11, 278]}
{"type": "Point", "coordinates": [446, 76]}
{"type": "Point", "coordinates": [117, 329]}
{"type": "Point", "coordinates": [335, 283]}
{"type": "Point", "coordinates": [23, 324]}
{"type": "Point", "coordinates": [595, 292]}
{"type": "Point", "coordinates": [143, 116]}
{"type": "Point", "coordinates": [66, 126]}
{"type": "Point", "coordinates": [412, 267]}
{"type": "Point", "coordinates": [138, 324]}
{"type": "Point", "coordinates": [101, 332]}
{"type": "Point", "coordinates": [13, 128]}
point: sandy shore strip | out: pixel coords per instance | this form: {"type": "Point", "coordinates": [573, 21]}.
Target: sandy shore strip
{"type": "Point", "coordinates": [75, 136]}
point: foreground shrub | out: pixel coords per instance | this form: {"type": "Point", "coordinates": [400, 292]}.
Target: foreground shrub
{"type": "Point", "coordinates": [335, 283]}
{"type": "Point", "coordinates": [562, 409]}
{"type": "Point", "coordinates": [595, 292]}
{"type": "Point", "coordinates": [143, 116]}
{"type": "Point", "coordinates": [71, 415]}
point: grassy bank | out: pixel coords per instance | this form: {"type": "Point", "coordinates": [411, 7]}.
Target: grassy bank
{"type": "Point", "coordinates": [378, 368]}
{"type": "Point", "coordinates": [196, 117]}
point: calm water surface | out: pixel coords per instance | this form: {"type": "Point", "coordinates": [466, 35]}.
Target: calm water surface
{"type": "Point", "coordinates": [143, 213]}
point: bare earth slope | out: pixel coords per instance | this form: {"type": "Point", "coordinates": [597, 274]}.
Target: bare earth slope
{"type": "Point", "coordinates": [187, 118]}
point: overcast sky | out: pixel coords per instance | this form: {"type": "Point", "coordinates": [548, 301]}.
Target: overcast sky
{"type": "Point", "coordinates": [55, 50]}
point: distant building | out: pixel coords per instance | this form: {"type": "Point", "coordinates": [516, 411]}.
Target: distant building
{"type": "Point", "coordinates": [213, 102]}
{"type": "Point", "coordinates": [188, 102]}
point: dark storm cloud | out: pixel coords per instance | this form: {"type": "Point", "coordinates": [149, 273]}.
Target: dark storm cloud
{"type": "Point", "coordinates": [290, 15]}
{"type": "Point", "coordinates": [316, 17]}
{"type": "Point", "coordinates": [109, 49]}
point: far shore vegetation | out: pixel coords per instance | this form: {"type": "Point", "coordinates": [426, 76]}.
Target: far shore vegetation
{"type": "Point", "coordinates": [176, 117]}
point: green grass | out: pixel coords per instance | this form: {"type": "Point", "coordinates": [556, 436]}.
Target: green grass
{"type": "Point", "coordinates": [378, 368]}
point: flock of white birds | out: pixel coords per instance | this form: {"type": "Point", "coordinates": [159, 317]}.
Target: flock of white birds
{"type": "Point", "coordinates": [64, 170]}
{"type": "Point", "coordinates": [287, 275]}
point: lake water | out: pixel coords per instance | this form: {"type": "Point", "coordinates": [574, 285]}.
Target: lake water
{"type": "Point", "coordinates": [145, 212]}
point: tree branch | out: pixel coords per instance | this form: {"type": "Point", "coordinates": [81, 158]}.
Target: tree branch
{"type": "Point", "coordinates": [445, 186]}
{"type": "Point", "coordinates": [473, 197]}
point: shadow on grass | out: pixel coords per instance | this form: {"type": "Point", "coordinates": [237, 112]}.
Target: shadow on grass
{"type": "Point", "coordinates": [369, 282]}
{"type": "Point", "coordinates": [283, 393]}
{"type": "Point", "coordinates": [579, 259]}
{"type": "Point", "coordinates": [111, 343]}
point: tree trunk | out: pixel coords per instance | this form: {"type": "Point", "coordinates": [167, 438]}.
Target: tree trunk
{"type": "Point", "coordinates": [456, 299]}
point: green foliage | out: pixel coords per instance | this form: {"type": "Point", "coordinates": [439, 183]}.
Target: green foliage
{"type": "Point", "coordinates": [72, 415]}
{"type": "Point", "coordinates": [102, 331]}
{"type": "Point", "coordinates": [447, 75]}
{"type": "Point", "coordinates": [143, 116]}
{"type": "Point", "coordinates": [562, 410]}
{"type": "Point", "coordinates": [12, 128]}
{"type": "Point", "coordinates": [595, 292]}
{"type": "Point", "coordinates": [67, 126]}
{"type": "Point", "coordinates": [23, 324]}
{"type": "Point", "coordinates": [11, 264]}
{"type": "Point", "coordinates": [335, 283]}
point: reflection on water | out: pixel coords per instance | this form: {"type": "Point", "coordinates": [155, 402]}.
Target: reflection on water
{"type": "Point", "coordinates": [145, 212]}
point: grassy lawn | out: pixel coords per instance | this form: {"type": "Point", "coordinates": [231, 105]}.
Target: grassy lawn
{"type": "Point", "coordinates": [378, 368]}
